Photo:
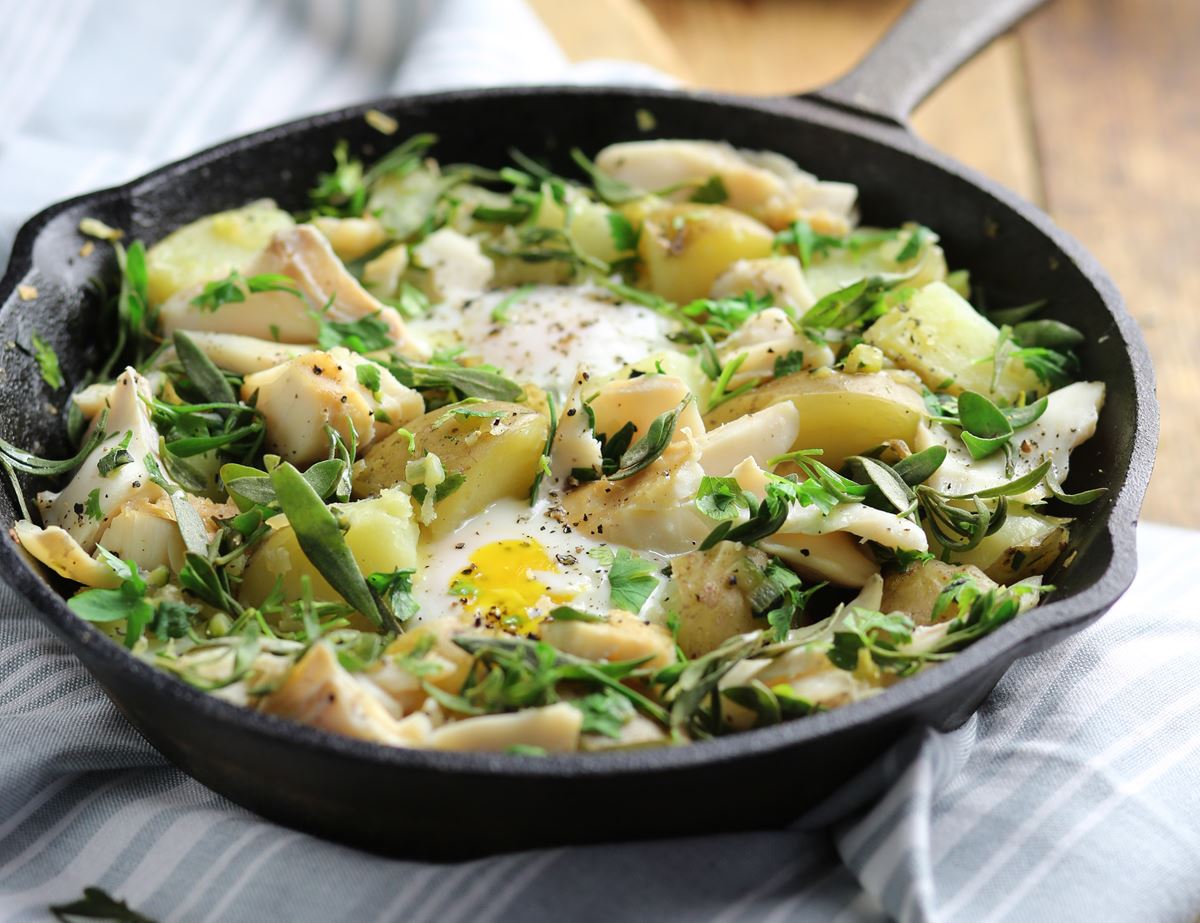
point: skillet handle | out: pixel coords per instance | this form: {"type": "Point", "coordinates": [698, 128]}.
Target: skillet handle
{"type": "Point", "coordinates": [928, 43]}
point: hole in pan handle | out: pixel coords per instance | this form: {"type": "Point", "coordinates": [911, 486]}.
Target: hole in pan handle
{"type": "Point", "coordinates": [929, 42]}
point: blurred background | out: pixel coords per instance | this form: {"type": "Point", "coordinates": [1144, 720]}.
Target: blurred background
{"type": "Point", "coordinates": [1089, 108]}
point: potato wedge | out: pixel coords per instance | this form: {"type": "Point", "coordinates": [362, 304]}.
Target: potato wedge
{"type": "Point", "coordinates": [840, 413]}
{"type": "Point", "coordinates": [938, 335]}
{"type": "Point", "coordinates": [496, 449]}
{"type": "Point", "coordinates": [382, 536]}
{"type": "Point", "coordinates": [710, 594]}
{"type": "Point", "coordinates": [684, 248]}
{"type": "Point", "coordinates": [916, 590]}
{"type": "Point", "coordinates": [211, 246]}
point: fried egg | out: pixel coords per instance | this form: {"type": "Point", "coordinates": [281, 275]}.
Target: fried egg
{"type": "Point", "coordinates": [510, 565]}
{"type": "Point", "coordinates": [544, 333]}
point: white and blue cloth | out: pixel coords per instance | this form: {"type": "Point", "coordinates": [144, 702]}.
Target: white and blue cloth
{"type": "Point", "coordinates": [1074, 793]}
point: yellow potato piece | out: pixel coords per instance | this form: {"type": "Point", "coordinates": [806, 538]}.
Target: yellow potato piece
{"type": "Point", "coordinates": [497, 449]}
{"type": "Point", "coordinates": [382, 536]}
{"type": "Point", "coordinates": [938, 335]}
{"type": "Point", "coordinates": [710, 594]}
{"type": "Point", "coordinates": [211, 246]}
{"type": "Point", "coordinates": [684, 248]}
{"type": "Point", "coordinates": [839, 413]}
{"type": "Point", "coordinates": [916, 590]}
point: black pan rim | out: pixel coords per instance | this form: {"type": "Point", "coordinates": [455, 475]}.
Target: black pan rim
{"type": "Point", "coordinates": [1055, 617]}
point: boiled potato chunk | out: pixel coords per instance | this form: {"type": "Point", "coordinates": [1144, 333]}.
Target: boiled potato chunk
{"type": "Point", "coordinates": [684, 248]}
{"type": "Point", "coordinates": [842, 414]}
{"type": "Point", "coordinates": [382, 536]}
{"type": "Point", "coordinates": [938, 335]}
{"type": "Point", "coordinates": [711, 595]}
{"type": "Point", "coordinates": [916, 590]}
{"type": "Point", "coordinates": [1025, 546]}
{"type": "Point", "coordinates": [497, 449]}
{"type": "Point", "coordinates": [210, 247]}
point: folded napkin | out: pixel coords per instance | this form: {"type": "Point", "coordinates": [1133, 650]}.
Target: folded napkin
{"type": "Point", "coordinates": [1071, 794]}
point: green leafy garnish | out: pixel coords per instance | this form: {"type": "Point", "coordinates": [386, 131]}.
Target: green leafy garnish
{"type": "Point", "coordinates": [369, 375]}
{"type": "Point", "coordinates": [470, 382]}
{"type": "Point", "coordinates": [624, 235]}
{"type": "Point", "coordinates": [643, 453]}
{"type": "Point", "coordinates": [115, 457]}
{"type": "Point", "coordinates": [234, 288]}
{"type": "Point", "coordinates": [711, 192]}
{"type": "Point", "coordinates": [126, 603]}
{"type": "Point", "coordinates": [365, 335]}
{"type": "Point", "coordinates": [395, 591]}
{"type": "Point", "coordinates": [605, 712]}
{"type": "Point", "coordinates": [789, 363]}
{"type": "Point", "coordinates": [454, 480]}
{"type": "Point", "coordinates": [610, 190]}
{"type": "Point", "coordinates": [47, 361]}
{"type": "Point", "coordinates": [631, 581]}
{"type": "Point", "coordinates": [721, 498]}
{"type": "Point", "coordinates": [202, 372]}
{"type": "Point", "coordinates": [321, 540]}
{"type": "Point", "coordinates": [97, 905]}
{"type": "Point", "coordinates": [92, 506]}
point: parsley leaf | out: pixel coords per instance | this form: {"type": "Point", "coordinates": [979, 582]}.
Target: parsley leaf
{"type": "Point", "coordinates": [365, 335]}
{"type": "Point", "coordinates": [624, 235]}
{"type": "Point", "coordinates": [712, 192]}
{"type": "Point", "coordinates": [92, 507]}
{"type": "Point", "coordinates": [395, 590]}
{"type": "Point", "coordinates": [789, 363]}
{"type": "Point", "coordinates": [97, 905]}
{"type": "Point", "coordinates": [454, 480]}
{"type": "Point", "coordinates": [720, 498]}
{"type": "Point", "coordinates": [340, 192]}
{"type": "Point", "coordinates": [368, 375]}
{"type": "Point", "coordinates": [604, 713]}
{"type": "Point", "coordinates": [234, 288]}
{"type": "Point", "coordinates": [47, 361]}
{"type": "Point", "coordinates": [127, 602]}
{"type": "Point", "coordinates": [631, 581]}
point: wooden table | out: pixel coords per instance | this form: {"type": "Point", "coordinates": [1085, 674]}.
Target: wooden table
{"type": "Point", "coordinates": [1089, 109]}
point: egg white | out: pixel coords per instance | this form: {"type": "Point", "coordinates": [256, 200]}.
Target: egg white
{"type": "Point", "coordinates": [548, 332]}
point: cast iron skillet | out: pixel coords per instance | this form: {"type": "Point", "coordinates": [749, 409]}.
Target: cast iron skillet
{"type": "Point", "coordinates": [451, 804]}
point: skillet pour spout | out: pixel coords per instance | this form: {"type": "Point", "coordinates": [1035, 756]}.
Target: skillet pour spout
{"type": "Point", "coordinates": [413, 801]}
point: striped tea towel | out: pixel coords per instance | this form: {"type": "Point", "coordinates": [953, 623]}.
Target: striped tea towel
{"type": "Point", "coordinates": [1072, 795]}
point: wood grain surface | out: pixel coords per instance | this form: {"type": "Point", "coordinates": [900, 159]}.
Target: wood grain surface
{"type": "Point", "coordinates": [1089, 109]}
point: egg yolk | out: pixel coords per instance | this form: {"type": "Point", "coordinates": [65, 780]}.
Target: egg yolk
{"type": "Point", "coordinates": [503, 579]}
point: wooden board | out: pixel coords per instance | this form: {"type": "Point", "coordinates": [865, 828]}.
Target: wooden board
{"type": "Point", "coordinates": [1113, 94]}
